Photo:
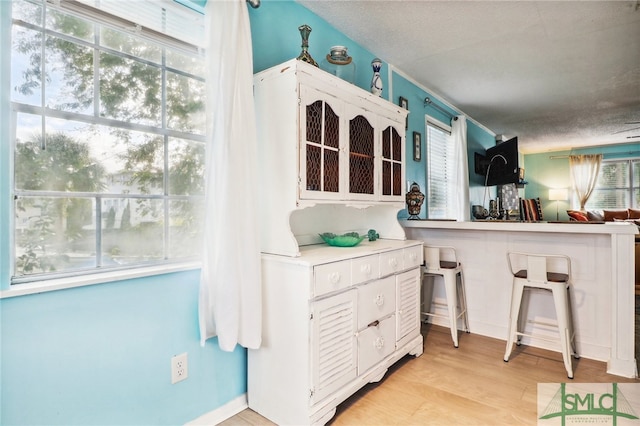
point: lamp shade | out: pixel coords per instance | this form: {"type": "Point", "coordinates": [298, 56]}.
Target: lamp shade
{"type": "Point", "coordinates": [559, 194]}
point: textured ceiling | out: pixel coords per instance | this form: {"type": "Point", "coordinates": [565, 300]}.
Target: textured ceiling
{"type": "Point", "coordinates": [557, 74]}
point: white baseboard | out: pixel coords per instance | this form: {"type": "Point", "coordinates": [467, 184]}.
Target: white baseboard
{"type": "Point", "coordinates": [221, 414]}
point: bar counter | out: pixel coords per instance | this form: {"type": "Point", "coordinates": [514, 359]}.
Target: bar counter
{"type": "Point", "coordinates": [603, 279]}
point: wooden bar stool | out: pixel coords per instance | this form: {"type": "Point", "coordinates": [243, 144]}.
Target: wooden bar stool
{"type": "Point", "coordinates": [442, 261]}
{"type": "Point", "coordinates": [532, 271]}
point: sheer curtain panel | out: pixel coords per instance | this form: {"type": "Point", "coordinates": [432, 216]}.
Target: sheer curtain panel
{"type": "Point", "coordinates": [461, 208]}
{"type": "Point", "coordinates": [584, 175]}
{"type": "Point", "coordinates": [230, 287]}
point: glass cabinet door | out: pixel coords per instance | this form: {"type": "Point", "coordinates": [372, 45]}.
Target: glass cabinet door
{"type": "Point", "coordinates": [348, 152]}
{"type": "Point", "coordinates": [361, 156]}
{"type": "Point", "coordinates": [391, 163]}
{"type": "Point", "coordinates": [320, 146]}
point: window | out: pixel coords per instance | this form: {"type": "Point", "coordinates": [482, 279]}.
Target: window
{"type": "Point", "coordinates": [618, 185]}
{"type": "Point", "coordinates": [440, 170]}
{"type": "Point", "coordinates": [108, 144]}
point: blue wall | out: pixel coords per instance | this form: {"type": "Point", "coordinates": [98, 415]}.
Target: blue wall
{"type": "Point", "coordinates": [101, 354]}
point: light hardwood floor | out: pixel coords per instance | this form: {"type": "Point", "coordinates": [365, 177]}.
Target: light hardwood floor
{"type": "Point", "coordinates": [470, 385]}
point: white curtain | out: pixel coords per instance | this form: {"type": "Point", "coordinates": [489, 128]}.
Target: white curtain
{"type": "Point", "coordinates": [584, 175]}
{"type": "Point", "coordinates": [230, 288]}
{"type": "Point", "coordinates": [461, 207]}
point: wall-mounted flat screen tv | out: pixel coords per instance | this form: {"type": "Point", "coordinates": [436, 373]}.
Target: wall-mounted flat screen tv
{"type": "Point", "coordinates": [499, 165]}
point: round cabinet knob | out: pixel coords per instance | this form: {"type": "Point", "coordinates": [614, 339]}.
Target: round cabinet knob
{"type": "Point", "coordinates": [334, 277]}
{"type": "Point", "coordinates": [379, 300]}
{"type": "Point", "coordinates": [366, 269]}
{"type": "Point", "coordinates": [379, 343]}
{"type": "Point", "coordinates": [393, 262]}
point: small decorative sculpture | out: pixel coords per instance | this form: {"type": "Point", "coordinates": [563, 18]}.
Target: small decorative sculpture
{"type": "Point", "coordinates": [373, 235]}
{"type": "Point", "coordinates": [340, 64]}
{"type": "Point", "coordinates": [376, 81]}
{"type": "Point", "coordinates": [304, 56]}
{"type": "Point", "coordinates": [414, 200]}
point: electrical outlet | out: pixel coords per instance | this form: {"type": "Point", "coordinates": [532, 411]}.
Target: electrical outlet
{"type": "Point", "coordinates": [179, 368]}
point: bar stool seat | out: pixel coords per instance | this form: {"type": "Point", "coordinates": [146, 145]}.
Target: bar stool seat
{"type": "Point", "coordinates": [530, 271]}
{"type": "Point", "coordinates": [442, 261]}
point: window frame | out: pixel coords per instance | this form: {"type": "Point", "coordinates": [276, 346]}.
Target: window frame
{"type": "Point", "coordinates": [94, 275]}
{"type": "Point", "coordinates": [633, 163]}
{"type": "Point", "coordinates": [436, 211]}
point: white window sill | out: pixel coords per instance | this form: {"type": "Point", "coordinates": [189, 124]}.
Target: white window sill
{"type": "Point", "coordinates": [91, 279]}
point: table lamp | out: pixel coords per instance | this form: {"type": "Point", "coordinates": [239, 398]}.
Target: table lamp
{"type": "Point", "coordinates": [557, 195]}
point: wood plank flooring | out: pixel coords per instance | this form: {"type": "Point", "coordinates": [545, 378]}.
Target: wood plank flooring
{"type": "Point", "coordinates": [470, 385]}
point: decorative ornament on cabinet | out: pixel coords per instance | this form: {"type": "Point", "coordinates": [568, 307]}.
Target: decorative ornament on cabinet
{"type": "Point", "coordinates": [414, 199]}
{"type": "Point", "coordinates": [376, 81]}
{"type": "Point", "coordinates": [305, 56]}
{"type": "Point", "coordinates": [340, 64]}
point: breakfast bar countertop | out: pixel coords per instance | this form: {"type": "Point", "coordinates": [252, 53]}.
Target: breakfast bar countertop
{"type": "Point", "coordinates": [602, 278]}
{"type": "Point", "coordinates": [513, 225]}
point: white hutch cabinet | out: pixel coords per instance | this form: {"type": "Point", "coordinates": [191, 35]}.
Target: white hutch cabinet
{"type": "Point", "coordinates": [334, 319]}
{"type": "Point", "coordinates": [325, 141]}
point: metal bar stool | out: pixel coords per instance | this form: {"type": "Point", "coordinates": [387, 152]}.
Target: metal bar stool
{"type": "Point", "coordinates": [531, 271]}
{"type": "Point", "coordinates": [442, 261]}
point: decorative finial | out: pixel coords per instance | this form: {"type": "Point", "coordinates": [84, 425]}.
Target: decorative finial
{"type": "Point", "coordinates": [304, 56]}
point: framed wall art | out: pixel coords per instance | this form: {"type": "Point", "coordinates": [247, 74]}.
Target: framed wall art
{"type": "Point", "coordinates": [417, 146]}
{"type": "Point", "coordinates": [404, 103]}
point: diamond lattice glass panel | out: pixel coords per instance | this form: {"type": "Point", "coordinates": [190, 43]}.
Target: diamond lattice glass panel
{"type": "Point", "coordinates": [331, 171]}
{"type": "Point", "coordinates": [386, 143]}
{"type": "Point", "coordinates": [331, 128]}
{"type": "Point", "coordinates": [396, 142]}
{"type": "Point", "coordinates": [323, 171]}
{"type": "Point", "coordinates": [397, 179]}
{"type": "Point", "coordinates": [313, 168]}
{"type": "Point", "coordinates": [386, 178]}
{"type": "Point", "coordinates": [360, 156]}
{"type": "Point", "coordinates": [391, 162]}
{"type": "Point", "coordinates": [314, 122]}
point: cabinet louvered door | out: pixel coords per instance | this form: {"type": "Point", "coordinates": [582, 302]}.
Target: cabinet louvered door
{"type": "Point", "coordinates": [333, 344]}
{"type": "Point", "coordinates": [408, 303]}
{"type": "Point", "coordinates": [392, 160]}
{"type": "Point", "coordinates": [320, 159]}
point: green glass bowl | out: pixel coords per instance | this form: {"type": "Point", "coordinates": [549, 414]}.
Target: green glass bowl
{"type": "Point", "coordinates": [349, 239]}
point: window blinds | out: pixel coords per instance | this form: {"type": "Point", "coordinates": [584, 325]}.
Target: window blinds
{"type": "Point", "coordinates": [440, 168]}
{"type": "Point", "coordinates": [177, 25]}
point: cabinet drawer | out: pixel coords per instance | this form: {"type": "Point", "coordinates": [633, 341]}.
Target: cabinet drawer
{"type": "Point", "coordinates": [364, 269]}
{"type": "Point", "coordinates": [391, 262]}
{"type": "Point", "coordinates": [331, 277]}
{"type": "Point", "coordinates": [412, 256]}
{"type": "Point", "coordinates": [375, 343]}
{"type": "Point", "coordinates": [376, 300]}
